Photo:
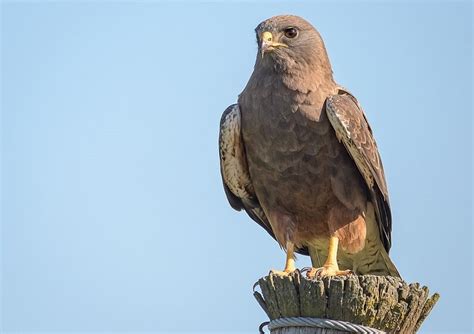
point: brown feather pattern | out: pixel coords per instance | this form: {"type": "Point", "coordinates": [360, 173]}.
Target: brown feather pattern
{"type": "Point", "coordinates": [309, 166]}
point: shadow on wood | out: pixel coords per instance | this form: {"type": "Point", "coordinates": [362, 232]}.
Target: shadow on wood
{"type": "Point", "coordinates": [381, 302]}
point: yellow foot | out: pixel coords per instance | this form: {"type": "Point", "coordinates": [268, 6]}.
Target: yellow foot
{"type": "Point", "coordinates": [327, 270]}
{"type": "Point", "coordinates": [286, 272]}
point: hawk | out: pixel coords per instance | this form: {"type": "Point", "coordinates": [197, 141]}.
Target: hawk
{"type": "Point", "coordinates": [298, 155]}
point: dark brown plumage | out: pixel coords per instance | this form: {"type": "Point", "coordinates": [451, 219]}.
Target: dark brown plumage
{"type": "Point", "coordinates": [298, 155]}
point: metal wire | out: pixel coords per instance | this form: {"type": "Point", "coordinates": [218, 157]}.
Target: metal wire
{"type": "Point", "coordinates": [319, 323]}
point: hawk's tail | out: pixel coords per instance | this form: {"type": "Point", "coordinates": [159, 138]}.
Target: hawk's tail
{"type": "Point", "coordinates": [390, 266]}
{"type": "Point", "coordinates": [379, 264]}
{"type": "Point", "coordinates": [373, 259]}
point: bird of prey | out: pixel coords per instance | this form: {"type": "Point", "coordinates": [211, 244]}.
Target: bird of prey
{"type": "Point", "coordinates": [298, 155]}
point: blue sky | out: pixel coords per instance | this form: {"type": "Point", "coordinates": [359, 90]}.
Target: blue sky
{"type": "Point", "coordinates": [112, 211]}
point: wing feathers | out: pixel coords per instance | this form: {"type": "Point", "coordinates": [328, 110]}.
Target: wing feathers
{"type": "Point", "coordinates": [353, 130]}
{"type": "Point", "coordinates": [234, 171]}
{"type": "Point", "coordinates": [232, 155]}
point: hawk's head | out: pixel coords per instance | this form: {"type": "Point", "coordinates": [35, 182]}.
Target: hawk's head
{"type": "Point", "coordinates": [288, 41]}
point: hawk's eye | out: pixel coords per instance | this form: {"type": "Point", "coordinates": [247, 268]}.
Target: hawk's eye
{"type": "Point", "coordinates": [291, 32]}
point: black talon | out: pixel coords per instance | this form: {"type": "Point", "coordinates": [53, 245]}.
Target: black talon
{"type": "Point", "coordinates": [305, 269]}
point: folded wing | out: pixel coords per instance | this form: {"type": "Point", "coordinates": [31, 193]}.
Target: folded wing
{"type": "Point", "coordinates": [236, 178]}
{"type": "Point", "coordinates": [353, 130]}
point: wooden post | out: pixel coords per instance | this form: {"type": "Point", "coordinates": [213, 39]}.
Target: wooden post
{"type": "Point", "coordinates": [381, 302]}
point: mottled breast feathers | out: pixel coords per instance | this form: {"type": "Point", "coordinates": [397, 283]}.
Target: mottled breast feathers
{"type": "Point", "coordinates": [351, 128]}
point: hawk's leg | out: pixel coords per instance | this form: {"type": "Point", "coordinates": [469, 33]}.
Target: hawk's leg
{"type": "Point", "coordinates": [290, 261]}
{"type": "Point", "coordinates": [330, 267]}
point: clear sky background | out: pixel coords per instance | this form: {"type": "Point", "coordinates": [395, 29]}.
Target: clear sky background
{"type": "Point", "coordinates": [112, 211]}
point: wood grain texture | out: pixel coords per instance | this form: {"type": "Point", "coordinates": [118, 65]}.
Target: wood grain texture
{"type": "Point", "coordinates": [381, 302]}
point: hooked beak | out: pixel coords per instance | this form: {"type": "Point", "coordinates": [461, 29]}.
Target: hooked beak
{"type": "Point", "coordinates": [268, 44]}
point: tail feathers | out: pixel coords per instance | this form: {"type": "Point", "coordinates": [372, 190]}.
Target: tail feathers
{"type": "Point", "coordinates": [378, 263]}
{"type": "Point", "coordinates": [390, 266]}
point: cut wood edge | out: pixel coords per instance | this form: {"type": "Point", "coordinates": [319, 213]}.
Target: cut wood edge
{"type": "Point", "coordinates": [382, 302]}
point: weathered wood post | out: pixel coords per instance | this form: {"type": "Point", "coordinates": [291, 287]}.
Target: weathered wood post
{"type": "Point", "coordinates": [346, 304]}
